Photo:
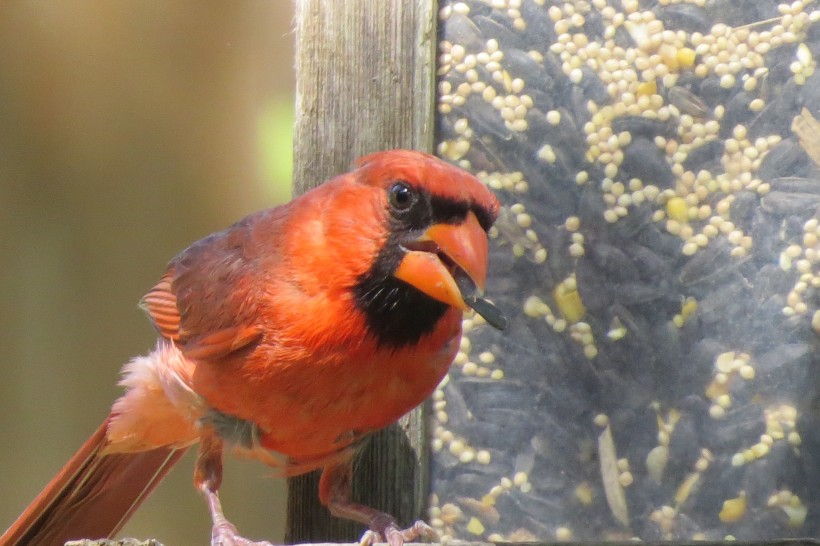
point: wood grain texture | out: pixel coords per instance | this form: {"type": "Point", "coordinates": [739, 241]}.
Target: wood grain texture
{"type": "Point", "coordinates": [365, 77]}
{"type": "Point", "coordinates": [364, 82]}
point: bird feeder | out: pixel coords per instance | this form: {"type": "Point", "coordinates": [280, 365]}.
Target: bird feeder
{"type": "Point", "coordinates": [657, 255]}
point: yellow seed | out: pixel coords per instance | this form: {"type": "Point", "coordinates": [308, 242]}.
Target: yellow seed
{"type": "Point", "coordinates": [486, 357]}
{"type": "Point", "coordinates": [747, 372]}
{"type": "Point", "coordinates": [727, 81]}
{"type": "Point", "coordinates": [626, 479]}
{"type": "Point", "coordinates": [582, 178]}
{"type": "Point", "coordinates": [796, 514]}
{"type": "Point", "coordinates": [716, 412]}
{"type": "Point", "coordinates": [617, 333]}
{"type": "Point", "coordinates": [457, 447]}
{"type": "Point", "coordinates": [601, 420]}
{"type": "Point", "coordinates": [677, 209]}
{"type": "Point", "coordinates": [568, 301]}
{"type": "Point", "coordinates": [520, 478]}
{"type": "Point", "coordinates": [547, 154]}
{"type": "Point", "coordinates": [450, 513]}
{"type": "Point", "coordinates": [686, 487]}
{"type": "Point", "coordinates": [690, 305]}
{"type": "Point", "coordinates": [475, 526]}
{"type": "Point", "coordinates": [572, 223]}
{"type": "Point", "coordinates": [646, 89]}
{"type": "Point", "coordinates": [669, 57]}
{"type": "Point", "coordinates": [724, 361]}
{"type": "Point", "coordinates": [534, 307]}
{"type": "Point", "coordinates": [686, 57]}
{"type": "Point", "coordinates": [689, 249]}
{"type": "Point", "coordinates": [656, 462]}
{"type": "Point", "coordinates": [584, 493]}
{"type": "Point", "coordinates": [733, 509]}
{"type": "Point", "coordinates": [738, 460]}
{"type": "Point", "coordinates": [760, 450]}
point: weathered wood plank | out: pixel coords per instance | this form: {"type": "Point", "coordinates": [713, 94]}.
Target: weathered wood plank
{"type": "Point", "coordinates": [364, 82]}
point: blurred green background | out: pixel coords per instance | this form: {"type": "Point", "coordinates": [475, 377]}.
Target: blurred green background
{"type": "Point", "coordinates": [128, 129]}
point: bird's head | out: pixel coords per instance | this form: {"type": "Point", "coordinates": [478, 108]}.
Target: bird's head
{"type": "Point", "coordinates": [435, 253]}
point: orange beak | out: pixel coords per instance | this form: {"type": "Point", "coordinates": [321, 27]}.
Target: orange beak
{"type": "Point", "coordinates": [443, 253]}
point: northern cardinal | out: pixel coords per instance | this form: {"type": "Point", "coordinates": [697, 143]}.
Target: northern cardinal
{"type": "Point", "coordinates": [289, 337]}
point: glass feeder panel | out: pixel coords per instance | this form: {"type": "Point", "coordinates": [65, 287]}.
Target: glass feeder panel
{"type": "Point", "coordinates": [657, 255]}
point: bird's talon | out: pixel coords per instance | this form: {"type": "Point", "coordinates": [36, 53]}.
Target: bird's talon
{"type": "Point", "coordinates": [390, 533]}
{"type": "Point", "coordinates": [225, 534]}
{"type": "Point", "coordinates": [395, 536]}
{"type": "Point", "coordinates": [369, 538]}
{"type": "Point", "coordinates": [420, 529]}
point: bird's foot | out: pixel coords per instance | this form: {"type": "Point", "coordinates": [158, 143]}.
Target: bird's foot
{"type": "Point", "coordinates": [208, 476]}
{"type": "Point", "coordinates": [385, 529]}
{"type": "Point", "coordinates": [224, 534]}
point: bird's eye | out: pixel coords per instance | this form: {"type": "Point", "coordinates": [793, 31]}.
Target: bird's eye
{"type": "Point", "coordinates": [401, 196]}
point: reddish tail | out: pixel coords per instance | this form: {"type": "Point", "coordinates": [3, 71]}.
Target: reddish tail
{"type": "Point", "coordinates": [92, 496]}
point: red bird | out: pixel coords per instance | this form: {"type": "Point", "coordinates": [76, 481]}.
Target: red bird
{"type": "Point", "coordinates": [288, 337]}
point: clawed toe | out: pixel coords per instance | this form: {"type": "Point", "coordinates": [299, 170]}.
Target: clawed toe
{"type": "Point", "coordinates": [225, 534]}
{"type": "Point", "coordinates": [390, 533]}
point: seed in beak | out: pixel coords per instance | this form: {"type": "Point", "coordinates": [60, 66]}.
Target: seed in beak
{"type": "Point", "coordinates": [470, 294]}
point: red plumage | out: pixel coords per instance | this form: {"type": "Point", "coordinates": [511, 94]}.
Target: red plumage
{"type": "Point", "coordinates": [289, 336]}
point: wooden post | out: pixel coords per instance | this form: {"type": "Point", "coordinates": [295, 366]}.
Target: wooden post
{"type": "Point", "coordinates": [364, 82]}
{"type": "Point", "coordinates": [365, 78]}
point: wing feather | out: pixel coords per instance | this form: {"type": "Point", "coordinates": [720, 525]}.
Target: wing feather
{"type": "Point", "coordinates": [207, 302]}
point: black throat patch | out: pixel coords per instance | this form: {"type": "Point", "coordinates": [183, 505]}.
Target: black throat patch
{"type": "Point", "coordinates": [397, 314]}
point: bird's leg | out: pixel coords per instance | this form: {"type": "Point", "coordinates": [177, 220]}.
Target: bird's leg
{"type": "Point", "coordinates": [334, 492]}
{"type": "Point", "coordinates": [208, 478]}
